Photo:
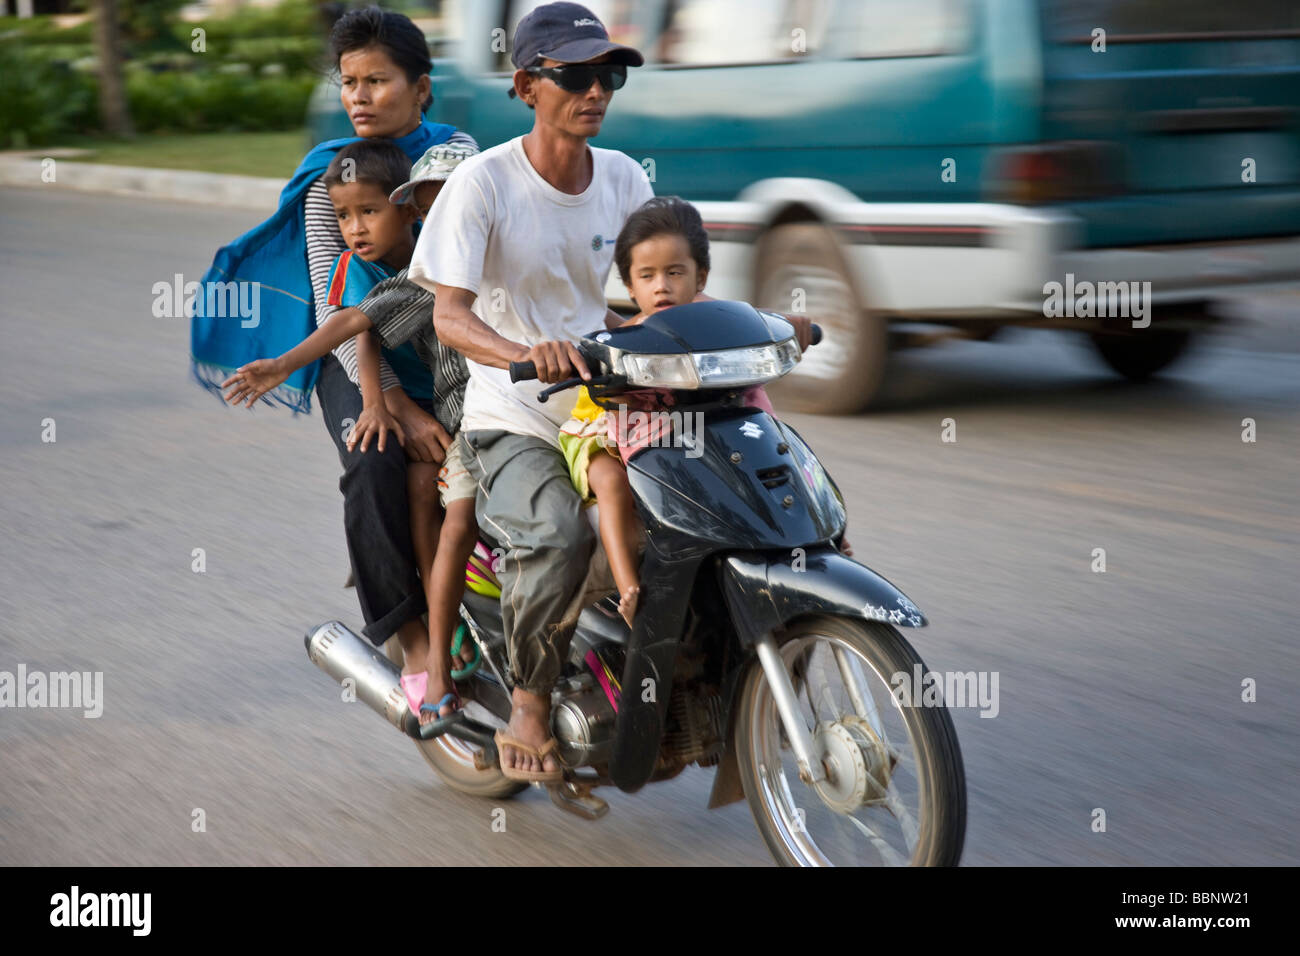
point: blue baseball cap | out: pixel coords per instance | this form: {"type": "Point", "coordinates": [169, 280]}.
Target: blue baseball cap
{"type": "Point", "coordinates": [567, 32]}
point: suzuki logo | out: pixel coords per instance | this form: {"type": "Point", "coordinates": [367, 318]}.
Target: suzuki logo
{"type": "Point", "coordinates": [751, 430]}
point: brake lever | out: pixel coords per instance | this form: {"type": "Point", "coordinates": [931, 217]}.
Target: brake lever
{"type": "Point", "coordinates": [546, 393]}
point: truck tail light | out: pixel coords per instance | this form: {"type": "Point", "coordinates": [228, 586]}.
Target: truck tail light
{"type": "Point", "coordinates": [1056, 172]}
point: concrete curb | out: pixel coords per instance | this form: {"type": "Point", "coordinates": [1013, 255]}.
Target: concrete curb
{"type": "Point", "coordinates": [28, 169]}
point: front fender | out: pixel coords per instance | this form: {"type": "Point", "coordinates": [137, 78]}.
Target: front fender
{"type": "Point", "coordinates": [765, 592]}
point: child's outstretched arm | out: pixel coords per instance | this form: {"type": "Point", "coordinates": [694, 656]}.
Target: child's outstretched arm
{"type": "Point", "coordinates": [250, 382]}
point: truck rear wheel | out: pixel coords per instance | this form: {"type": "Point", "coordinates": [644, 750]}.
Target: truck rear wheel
{"type": "Point", "coordinates": [800, 266]}
{"type": "Point", "coordinates": [1139, 355]}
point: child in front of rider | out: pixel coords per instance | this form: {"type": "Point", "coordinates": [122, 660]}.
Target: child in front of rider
{"type": "Point", "coordinates": [662, 256]}
{"type": "Point", "coordinates": [378, 196]}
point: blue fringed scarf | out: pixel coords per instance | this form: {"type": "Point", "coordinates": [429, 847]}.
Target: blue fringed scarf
{"type": "Point", "coordinates": [224, 332]}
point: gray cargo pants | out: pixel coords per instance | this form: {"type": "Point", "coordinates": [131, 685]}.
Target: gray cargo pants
{"type": "Point", "coordinates": [526, 501]}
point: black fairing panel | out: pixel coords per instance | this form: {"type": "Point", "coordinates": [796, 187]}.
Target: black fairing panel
{"type": "Point", "coordinates": [695, 506]}
{"type": "Point", "coordinates": [701, 493]}
{"type": "Point", "coordinates": [666, 586]}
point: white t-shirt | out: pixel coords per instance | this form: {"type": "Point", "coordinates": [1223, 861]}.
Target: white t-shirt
{"type": "Point", "coordinates": [537, 259]}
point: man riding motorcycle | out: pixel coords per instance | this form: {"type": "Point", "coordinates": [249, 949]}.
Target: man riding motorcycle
{"type": "Point", "coordinates": [529, 225]}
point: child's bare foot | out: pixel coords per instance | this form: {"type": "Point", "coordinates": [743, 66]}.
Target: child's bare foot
{"type": "Point", "coordinates": [627, 603]}
{"type": "Point", "coordinates": [439, 686]}
{"type": "Point", "coordinates": [466, 655]}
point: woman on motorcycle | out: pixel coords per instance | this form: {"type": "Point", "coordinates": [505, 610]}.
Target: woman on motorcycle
{"type": "Point", "coordinates": [383, 63]}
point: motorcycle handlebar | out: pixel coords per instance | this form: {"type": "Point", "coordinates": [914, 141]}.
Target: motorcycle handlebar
{"type": "Point", "coordinates": [527, 371]}
{"type": "Point", "coordinates": [522, 371]}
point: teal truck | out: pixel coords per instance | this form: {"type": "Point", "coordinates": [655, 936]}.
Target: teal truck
{"type": "Point", "coordinates": [911, 170]}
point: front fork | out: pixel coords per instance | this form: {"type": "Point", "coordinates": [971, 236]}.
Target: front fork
{"type": "Point", "coordinates": [805, 749]}
{"type": "Point", "coordinates": [787, 704]}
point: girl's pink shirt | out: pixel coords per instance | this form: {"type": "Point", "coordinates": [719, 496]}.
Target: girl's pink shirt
{"type": "Point", "coordinates": [647, 429]}
{"type": "Point", "coordinates": [644, 430]}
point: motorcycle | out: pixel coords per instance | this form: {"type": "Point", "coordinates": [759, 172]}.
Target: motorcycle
{"type": "Point", "coordinates": [776, 657]}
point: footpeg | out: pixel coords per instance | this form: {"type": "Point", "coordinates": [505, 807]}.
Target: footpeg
{"type": "Point", "coordinates": [473, 732]}
{"type": "Point", "coordinates": [577, 798]}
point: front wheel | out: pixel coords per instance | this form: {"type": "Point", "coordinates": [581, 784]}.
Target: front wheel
{"type": "Point", "coordinates": [895, 790]}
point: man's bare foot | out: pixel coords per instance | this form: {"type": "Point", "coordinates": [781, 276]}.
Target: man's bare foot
{"type": "Point", "coordinates": [627, 603]}
{"type": "Point", "coordinates": [530, 724]}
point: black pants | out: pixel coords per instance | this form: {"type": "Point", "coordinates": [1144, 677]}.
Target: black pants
{"type": "Point", "coordinates": [376, 513]}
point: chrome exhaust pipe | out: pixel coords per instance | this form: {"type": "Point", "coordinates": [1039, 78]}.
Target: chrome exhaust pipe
{"type": "Point", "coordinates": [342, 654]}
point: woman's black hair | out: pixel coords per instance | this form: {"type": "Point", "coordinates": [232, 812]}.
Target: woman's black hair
{"type": "Point", "coordinates": [379, 162]}
{"type": "Point", "coordinates": [393, 32]}
{"type": "Point", "coordinates": [662, 216]}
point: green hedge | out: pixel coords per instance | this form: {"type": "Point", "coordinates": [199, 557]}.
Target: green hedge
{"type": "Point", "coordinates": [64, 52]}
{"type": "Point", "coordinates": [39, 30]}
{"type": "Point", "coordinates": [298, 55]}
{"type": "Point", "coordinates": [45, 99]}
{"type": "Point", "coordinates": [42, 99]}
{"type": "Point", "coordinates": [291, 18]}
{"type": "Point", "coordinates": [208, 102]}
{"type": "Point", "coordinates": [257, 73]}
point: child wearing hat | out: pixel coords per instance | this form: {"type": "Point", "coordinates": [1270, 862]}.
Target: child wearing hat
{"type": "Point", "coordinates": [375, 217]}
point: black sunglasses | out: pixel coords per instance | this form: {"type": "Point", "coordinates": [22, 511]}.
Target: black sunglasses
{"type": "Point", "coordinates": [577, 77]}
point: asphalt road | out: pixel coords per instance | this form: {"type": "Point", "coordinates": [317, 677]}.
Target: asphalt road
{"type": "Point", "coordinates": [1120, 691]}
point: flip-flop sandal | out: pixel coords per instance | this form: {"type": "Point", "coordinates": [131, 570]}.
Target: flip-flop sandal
{"type": "Point", "coordinates": [415, 685]}
{"type": "Point", "coordinates": [460, 673]}
{"type": "Point", "coordinates": [531, 776]}
{"type": "Point", "coordinates": [435, 728]}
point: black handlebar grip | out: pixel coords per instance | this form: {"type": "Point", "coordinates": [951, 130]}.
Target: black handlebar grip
{"type": "Point", "coordinates": [522, 371]}
{"type": "Point", "coordinates": [816, 334]}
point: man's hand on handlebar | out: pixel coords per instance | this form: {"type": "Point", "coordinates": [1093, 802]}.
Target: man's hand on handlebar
{"type": "Point", "coordinates": [556, 361]}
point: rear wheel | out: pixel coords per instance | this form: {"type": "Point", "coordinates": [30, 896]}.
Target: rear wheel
{"type": "Point", "coordinates": [452, 759]}
{"type": "Point", "coordinates": [1143, 353]}
{"type": "Point", "coordinates": [895, 791]}
{"type": "Point", "coordinates": [800, 266]}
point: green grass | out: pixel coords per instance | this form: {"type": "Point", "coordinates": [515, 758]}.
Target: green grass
{"type": "Point", "coordinates": [273, 155]}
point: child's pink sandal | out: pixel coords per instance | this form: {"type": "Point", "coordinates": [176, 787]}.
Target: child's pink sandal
{"type": "Point", "coordinates": [415, 685]}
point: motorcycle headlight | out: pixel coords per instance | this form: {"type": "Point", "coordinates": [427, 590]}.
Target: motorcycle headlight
{"type": "Point", "coordinates": [724, 369]}
{"type": "Point", "coordinates": [662, 371]}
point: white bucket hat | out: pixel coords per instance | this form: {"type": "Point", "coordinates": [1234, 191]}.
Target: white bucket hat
{"type": "Point", "coordinates": [435, 165]}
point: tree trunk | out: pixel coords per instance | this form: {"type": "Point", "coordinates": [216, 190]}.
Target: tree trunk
{"type": "Point", "coordinates": [113, 112]}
